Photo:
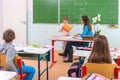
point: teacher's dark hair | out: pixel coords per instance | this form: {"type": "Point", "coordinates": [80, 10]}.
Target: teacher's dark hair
{"type": "Point", "coordinates": [86, 21]}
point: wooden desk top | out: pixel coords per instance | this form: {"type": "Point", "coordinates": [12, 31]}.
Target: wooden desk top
{"type": "Point", "coordinates": [69, 38]}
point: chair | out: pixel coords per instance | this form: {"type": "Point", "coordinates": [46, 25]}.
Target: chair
{"type": "Point", "coordinates": [22, 76]}
{"type": "Point", "coordinates": [108, 70]}
{"type": "Point", "coordinates": [17, 61]}
{"type": "Point", "coordinates": [118, 62]}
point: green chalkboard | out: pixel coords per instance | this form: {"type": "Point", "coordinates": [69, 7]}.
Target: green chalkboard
{"type": "Point", "coordinates": [74, 9]}
{"type": "Point", "coordinates": [45, 11]}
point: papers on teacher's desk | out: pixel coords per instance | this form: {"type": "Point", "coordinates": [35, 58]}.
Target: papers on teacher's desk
{"type": "Point", "coordinates": [65, 38]}
{"type": "Point", "coordinates": [77, 38]}
{"type": "Point", "coordinates": [69, 37]}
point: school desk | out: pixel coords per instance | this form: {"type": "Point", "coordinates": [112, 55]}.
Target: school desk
{"type": "Point", "coordinates": [7, 75]}
{"type": "Point", "coordinates": [38, 51]}
{"type": "Point", "coordinates": [68, 78]}
{"type": "Point", "coordinates": [84, 53]}
{"type": "Point", "coordinates": [60, 38]}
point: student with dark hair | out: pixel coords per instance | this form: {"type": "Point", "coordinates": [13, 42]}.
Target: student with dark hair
{"type": "Point", "coordinates": [87, 30]}
{"type": "Point", "coordinates": [8, 48]}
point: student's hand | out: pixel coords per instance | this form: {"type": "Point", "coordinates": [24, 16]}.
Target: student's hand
{"type": "Point", "coordinates": [17, 77]}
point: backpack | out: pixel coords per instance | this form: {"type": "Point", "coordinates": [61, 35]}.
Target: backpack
{"type": "Point", "coordinates": [74, 70]}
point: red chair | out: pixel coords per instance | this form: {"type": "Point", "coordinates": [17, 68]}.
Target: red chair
{"type": "Point", "coordinates": [118, 61]}
{"type": "Point", "coordinates": [22, 76]}
{"type": "Point", "coordinates": [17, 61]}
{"type": "Point", "coordinates": [108, 70]}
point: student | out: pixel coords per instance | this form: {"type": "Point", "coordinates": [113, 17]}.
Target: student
{"type": "Point", "coordinates": [8, 49]}
{"type": "Point", "coordinates": [64, 32]}
{"type": "Point", "coordinates": [100, 52]}
{"type": "Point", "coordinates": [87, 30]}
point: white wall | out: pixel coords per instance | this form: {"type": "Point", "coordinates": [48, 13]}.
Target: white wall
{"type": "Point", "coordinates": [1, 18]}
{"type": "Point", "coordinates": [39, 33]}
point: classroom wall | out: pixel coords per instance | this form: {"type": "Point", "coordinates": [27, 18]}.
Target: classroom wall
{"type": "Point", "coordinates": [40, 33]}
{"type": "Point", "coordinates": [1, 18]}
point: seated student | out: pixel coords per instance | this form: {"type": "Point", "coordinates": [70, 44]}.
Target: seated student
{"type": "Point", "coordinates": [87, 30]}
{"type": "Point", "coordinates": [100, 52]}
{"type": "Point", "coordinates": [8, 49]}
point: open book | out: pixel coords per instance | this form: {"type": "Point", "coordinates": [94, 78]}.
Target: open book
{"type": "Point", "coordinates": [32, 49]}
{"type": "Point", "coordinates": [94, 76]}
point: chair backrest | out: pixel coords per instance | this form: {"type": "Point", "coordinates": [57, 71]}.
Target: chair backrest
{"type": "Point", "coordinates": [107, 70]}
{"type": "Point", "coordinates": [17, 61]}
{"type": "Point", "coordinates": [118, 61]}
{"type": "Point", "coordinates": [3, 61]}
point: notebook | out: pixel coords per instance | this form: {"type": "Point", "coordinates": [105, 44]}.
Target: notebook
{"type": "Point", "coordinates": [67, 27]}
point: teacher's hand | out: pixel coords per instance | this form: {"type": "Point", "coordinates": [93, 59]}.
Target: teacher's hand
{"type": "Point", "coordinates": [77, 35]}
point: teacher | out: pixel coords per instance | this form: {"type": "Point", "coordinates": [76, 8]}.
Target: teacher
{"type": "Point", "coordinates": [87, 30]}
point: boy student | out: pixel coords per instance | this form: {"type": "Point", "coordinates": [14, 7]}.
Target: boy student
{"type": "Point", "coordinates": [8, 49]}
{"type": "Point", "coordinates": [64, 29]}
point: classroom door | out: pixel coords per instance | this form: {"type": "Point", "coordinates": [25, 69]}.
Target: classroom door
{"type": "Point", "coordinates": [14, 17]}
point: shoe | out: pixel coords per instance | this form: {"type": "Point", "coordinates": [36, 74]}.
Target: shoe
{"type": "Point", "coordinates": [67, 60]}
{"type": "Point", "coordinates": [61, 54]}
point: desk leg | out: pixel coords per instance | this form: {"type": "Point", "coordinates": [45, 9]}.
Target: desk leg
{"type": "Point", "coordinates": [38, 66]}
{"type": "Point", "coordinates": [47, 73]}
{"type": "Point", "coordinates": [81, 60]}
{"type": "Point", "coordinates": [90, 44]}
{"type": "Point", "coordinates": [53, 61]}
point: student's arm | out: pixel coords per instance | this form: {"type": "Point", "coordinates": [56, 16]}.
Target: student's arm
{"type": "Point", "coordinates": [11, 52]}
{"type": "Point", "coordinates": [85, 30]}
{"type": "Point", "coordinates": [61, 27]}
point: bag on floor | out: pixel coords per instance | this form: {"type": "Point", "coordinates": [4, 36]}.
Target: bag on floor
{"type": "Point", "coordinates": [74, 70]}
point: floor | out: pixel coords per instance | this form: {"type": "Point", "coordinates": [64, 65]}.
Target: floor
{"type": "Point", "coordinates": [59, 69]}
